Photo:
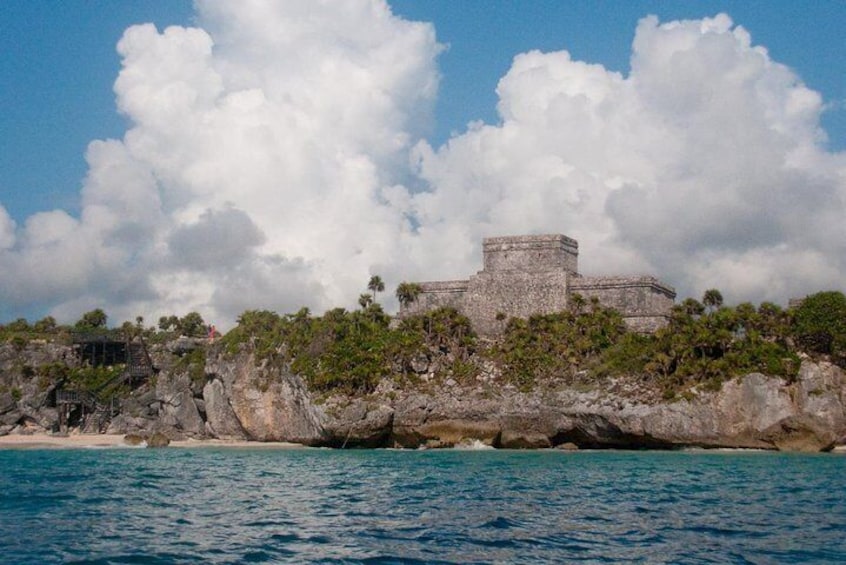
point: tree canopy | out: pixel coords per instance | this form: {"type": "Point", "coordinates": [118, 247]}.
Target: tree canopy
{"type": "Point", "coordinates": [375, 284]}
{"type": "Point", "coordinates": [407, 293]}
{"type": "Point", "coordinates": [819, 324]}
{"type": "Point", "coordinates": [93, 319]}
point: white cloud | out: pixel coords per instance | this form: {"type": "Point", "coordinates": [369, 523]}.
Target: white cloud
{"type": "Point", "coordinates": [7, 230]}
{"type": "Point", "coordinates": [270, 147]}
{"type": "Point", "coordinates": [703, 165]}
{"type": "Point", "coordinates": [265, 150]}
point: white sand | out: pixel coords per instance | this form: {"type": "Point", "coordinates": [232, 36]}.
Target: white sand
{"type": "Point", "coordinates": [41, 441]}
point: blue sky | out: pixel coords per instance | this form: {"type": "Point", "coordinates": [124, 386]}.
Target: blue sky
{"type": "Point", "coordinates": [290, 162]}
{"type": "Point", "coordinates": [59, 63]}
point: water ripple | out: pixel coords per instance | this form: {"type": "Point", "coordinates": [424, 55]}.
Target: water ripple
{"type": "Point", "coordinates": [320, 506]}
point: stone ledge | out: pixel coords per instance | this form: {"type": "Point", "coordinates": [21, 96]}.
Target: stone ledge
{"type": "Point", "coordinates": [444, 286]}
{"type": "Point", "coordinates": [531, 242]}
{"type": "Point", "coordinates": [595, 283]}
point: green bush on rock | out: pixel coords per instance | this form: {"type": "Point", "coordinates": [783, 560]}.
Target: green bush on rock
{"type": "Point", "coordinates": [819, 325]}
{"type": "Point", "coordinates": [349, 351]}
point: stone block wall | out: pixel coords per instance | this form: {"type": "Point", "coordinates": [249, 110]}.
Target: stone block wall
{"type": "Point", "coordinates": [530, 253]}
{"type": "Point", "coordinates": [437, 294]}
{"type": "Point", "coordinates": [513, 294]}
{"type": "Point", "coordinates": [643, 301]}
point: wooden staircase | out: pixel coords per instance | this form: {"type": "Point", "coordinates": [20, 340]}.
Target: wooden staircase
{"type": "Point", "coordinates": [98, 421]}
{"type": "Point", "coordinates": [138, 362]}
{"type": "Point", "coordinates": [97, 413]}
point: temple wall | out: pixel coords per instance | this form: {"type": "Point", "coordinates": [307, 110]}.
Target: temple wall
{"type": "Point", "coordinates": [530, 253]}
{"type": "Point", "coordinates": [644, 302]}
{"type": "Point", "coordinates": [435, 295]}
{"type": "Point", "coordinates": [515, 294]}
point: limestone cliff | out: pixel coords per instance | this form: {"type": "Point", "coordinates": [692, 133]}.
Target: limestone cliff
{"type": "Point", "coordinates": [24, 392]}
{"type": "Point", "coordinates": [753, 411]}
{"type": "Point", "coordinates": [227, 397]}
{"type": "Point", "coordinates": [267, 403]}
{"type": "Point", "coordinates": [213, 394]}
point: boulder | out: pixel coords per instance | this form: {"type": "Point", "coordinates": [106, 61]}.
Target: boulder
{"type": "Point", "coordinates": [133, 439]}
{"type": "Point", "coordinates": [447, 433]}
{"type": "Point", "coordinates": [177, 409]}
{"type": "Point", "coordinates": [514, 439]}
{"type": "Point", "coordinates": [158, 440]}
{"type": "Point", "coordinates": [184, 345]}
{"type": "Point", "coordinates": [360, 424]}
{"type": "Point", "coordinates": [805, 433]}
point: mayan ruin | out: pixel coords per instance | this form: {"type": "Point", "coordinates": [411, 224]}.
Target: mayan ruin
{"type": "Point", "coordinates": [538, 274]}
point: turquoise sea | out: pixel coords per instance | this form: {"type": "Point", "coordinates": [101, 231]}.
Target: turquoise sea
{"type": "Point", "coordinates": [208, 505]}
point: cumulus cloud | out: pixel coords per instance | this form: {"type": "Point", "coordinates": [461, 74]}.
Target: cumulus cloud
{"type": "Point", "coordinates": [271, 149]}
{"type": "Point", "coordinates": [218, 240]}
{"type": "Point", "coordinates": [7, 229]}
{"type": "Point", "coordinates": [263, 164]}
{"type": "Point", "coordinates": [704, 165]}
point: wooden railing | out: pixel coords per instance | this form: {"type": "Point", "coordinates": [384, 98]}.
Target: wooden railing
{"type": "Point", "coordinates": [96, 412]}
{"type": "Point", "coordinates": [81, 397]}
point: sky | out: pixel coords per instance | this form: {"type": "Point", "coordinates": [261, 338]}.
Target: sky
{"type": "Point", "coordinates": [158, 157]}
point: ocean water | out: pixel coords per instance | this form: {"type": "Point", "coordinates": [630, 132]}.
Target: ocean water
{"type": "Point", "coordinates": [210, 505]}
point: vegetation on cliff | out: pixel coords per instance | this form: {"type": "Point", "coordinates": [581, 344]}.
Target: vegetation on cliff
{"type": "Point", "coordinates": [707, 345]}
{"type": "Point", "coordinates": [94, 322]}
{"type": "Point", "coordinates": [819, 325]}
{"type": "Point", "coordinates": [103, 380]}
{"type": "Point", "coordinates": [555, 346]}
{"type": "Point", "coordinates": [704, 343]}
{"type": "Point", "coordinates": [350, 351]}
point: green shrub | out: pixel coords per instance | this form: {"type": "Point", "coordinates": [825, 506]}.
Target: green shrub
{"type": "Point", "coordinates": [93, 379]}
{"type": "Point", "coordinates": [194, 362]}
{"type": "Point", "coordinates": [707, 347]}
{"type": "Point", "coordinates": [554, 345]}
{"type": "Point", "coordinates": [349, 351]}
{"type": "Point", "coordinates": [819, 325]}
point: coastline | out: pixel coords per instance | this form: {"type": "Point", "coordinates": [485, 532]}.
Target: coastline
{"type": "Point", "coordinates": [91, 441]}
{"type": "Point", "coordinates": [100, 441]}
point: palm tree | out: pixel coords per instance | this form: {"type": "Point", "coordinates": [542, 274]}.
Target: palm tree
{"type": "Point", "coordinates": [94, 319]}
{"type": "Point", "coordinates": [408, 293]}
{"type": "Point", "coordinates": [365, 300]}
{"type": "Point", "coordinates": [713, 299]}
{"type": "Point", "coordinates": [375, 285]}
{"type": "Point", "coordinates": [692, 307]}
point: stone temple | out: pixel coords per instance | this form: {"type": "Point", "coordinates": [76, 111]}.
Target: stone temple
{"type": "Point", "coordinates": [538, 274]}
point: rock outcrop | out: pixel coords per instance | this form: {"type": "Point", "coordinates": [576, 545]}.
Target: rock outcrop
{"type": "Point", "coordinates": [226, 397]}
{"type": "Point", "coordinates": [25, 390]}
{"type": "Point", "coordinates": [259, 401]}
{"type": "Point", "coordinates": [753, 411]}
{"type": "Point", "coordinates": [212, 394]}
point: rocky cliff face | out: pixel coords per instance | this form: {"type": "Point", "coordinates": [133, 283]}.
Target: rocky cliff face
{"type": "Point", "coordinates": [260, 402]}
{"type": "Point", "coordinates": [227, 397]}
{"type": "Point", "coordinates": [754, 411]}
{"type": "Point", "coordinates": [235, 396]}
{"type": "Point", "coordinates": [24, 393]}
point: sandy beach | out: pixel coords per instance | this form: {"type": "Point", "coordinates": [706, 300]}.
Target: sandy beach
{"type": "Point", "coordinates": [89, 441]}
{"type": "Point", "coordinates": [83, 441]}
